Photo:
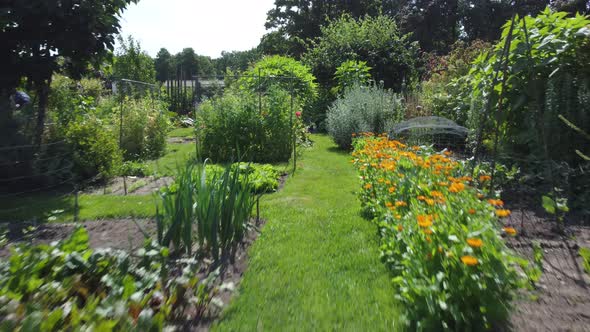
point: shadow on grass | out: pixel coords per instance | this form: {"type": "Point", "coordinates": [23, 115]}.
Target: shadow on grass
{"type": "Point", "coordinates": [39, 208]}
{"type": "Point", "coordinates": [337, 150]}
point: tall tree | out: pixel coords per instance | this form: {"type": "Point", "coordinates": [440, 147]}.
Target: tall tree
{"type": "Point", "coordinates": [164, 65]}
{"type": "Point", "coordinates": [187, 65]}
{"type": "Point", "coordinates": [300, 20]}
{"type": "Point", "coordinates": [36, 34]}
{"type": "Point", "coordinates": [133, 63]}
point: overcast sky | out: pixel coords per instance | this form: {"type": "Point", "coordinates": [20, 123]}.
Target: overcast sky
{"type": "Point", "coordinates": [208, 26]}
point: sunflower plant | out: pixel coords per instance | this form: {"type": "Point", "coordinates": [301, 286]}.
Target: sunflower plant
{"type": "Point", "coordinates": [440, 236]}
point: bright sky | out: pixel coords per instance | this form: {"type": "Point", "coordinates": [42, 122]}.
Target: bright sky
{"type": "Point", "coordinates": [208, 26]}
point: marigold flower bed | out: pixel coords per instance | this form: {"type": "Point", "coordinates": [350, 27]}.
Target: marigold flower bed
{"type": "Point", "coordinates": [440, 237]}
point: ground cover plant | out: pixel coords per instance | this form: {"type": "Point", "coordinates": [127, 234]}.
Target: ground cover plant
{"type": "Point", "coordinates": [440, 237]}
{"type": "Point", "coordinates": [68, 286]}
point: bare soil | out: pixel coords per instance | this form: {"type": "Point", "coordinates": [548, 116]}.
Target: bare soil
{"type": "Point", "coordinates": [561, 301]}
{"type": "Point", "coordinates": [135, 186]}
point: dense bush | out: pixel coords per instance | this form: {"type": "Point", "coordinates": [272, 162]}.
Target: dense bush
{"type": "Point", "coordinates": [374, 40]}
{"type": "Point", "coordinates": [232, 127]}
{"type": "Point", "coordinates": [272, 68]}
{"type": "Point", "coordinates": [363, 109]}
{"type": "Point", "coordinates": [145, 127]}
{"type": "Point", "coordinates": [439, 237]}
{"type": "Point", "coordinates": [94, 148]}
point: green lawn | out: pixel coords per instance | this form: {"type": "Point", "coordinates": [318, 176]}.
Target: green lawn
{"type": "Point", "coordinates": [316, 264]}
{"type": "Point", "coordinates": [182, 132]}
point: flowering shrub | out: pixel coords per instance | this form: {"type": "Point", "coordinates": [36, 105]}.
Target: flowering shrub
{"type": "Point", "coordinates": [440, 237]}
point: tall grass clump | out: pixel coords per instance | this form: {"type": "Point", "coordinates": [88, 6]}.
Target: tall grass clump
{"type": "Point", "coordinates": [363, 109]}
{"type": "Point", "coordinates": [212, 211]}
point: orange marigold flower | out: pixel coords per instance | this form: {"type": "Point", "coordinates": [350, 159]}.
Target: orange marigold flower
{"type": "Point", "coordinates": [400, 228]}
{"type": "Point", "coordinates": [496, 202]}
{"type": "Point", "coordinates": [471, 211]}
{"type": "Point", "coordinates": [484, 178]}
{"type": "Point", "coordinates": [510, 231]}
{"type": "Point", "coordinates": [448, 153]}
{"type": "Point", "coordinates": [401, 203]}
{"type": "Point", "coordinates": [424, 221]}
{"type": "Point", "coordinates": [435, 193]}
{"type": "Point", "coordinates": [474, 242]}
{"type": "Point", "coordinates": [388, 204]}
{"type": "Point", "coordinates": [456, 187]}
{"type": "Point", "coordinates": [391, 190]}
{"type": "Point", "coordinates": [502, 213]}
{"type": "Point", "coordinates": [368, 186]}
{"type": "Point", "coordinates": [421, 198]}
{"type": "Point", "coordinates": [469, 260]}
{"type": "Point", "coordinates": [427, 231]}
{"type": "Point", "coordinates": [415, 148]}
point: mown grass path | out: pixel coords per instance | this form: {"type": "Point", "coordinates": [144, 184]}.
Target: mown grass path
{"type": "Point", "coordinates": [316, 265]}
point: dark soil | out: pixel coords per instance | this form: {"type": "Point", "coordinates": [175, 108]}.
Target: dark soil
{"type": "Point", "coordinates": [135, 186]}
{"type": "Point", "coordinates": [128, 235]}
{"type": "Point", "coordinates": [561, 301]}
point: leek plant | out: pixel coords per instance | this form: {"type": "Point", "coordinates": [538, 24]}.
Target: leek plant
{"type": "Point", "coordinates": [214, 210]}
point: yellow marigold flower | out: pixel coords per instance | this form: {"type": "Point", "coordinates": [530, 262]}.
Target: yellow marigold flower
{"type": "Point", "coordinates": [444, 184]}
{"type": "Point", "coordinates": [424, 221]}
{"type": "Point", "coordinates": [469, 260]}
{"type": "Point", "coordinates": [400, 228]}
{"type": "Point", "coordinates": [398, 217]}
{"type": "Point", "coordinates": [415, 148]}
{"type": "Point", "coordinates": [456, 187]}
{"type": "Point", "coordinates": [401, 203]}
{"type": "Point", "coordinates": [474, 242]}
{"type": "Point", "coordinates": [484, 178]}
{"type": "Point", "coordinates": [421, 198]}
{"type": "Point", "coordinates": [435, 193]}
{"type": "Point", "coordinates": [381, 180]}
{"type": "Point", "coordinates": [429, 201]}
{"type": "Point", "coordinates": [391, 190]}
{"type": "Point", "coordinates": [502, 213]}
{"type": "Point", "coordinates": [368, 186]}
{"type": "Point", "coordinates": [510, 231]}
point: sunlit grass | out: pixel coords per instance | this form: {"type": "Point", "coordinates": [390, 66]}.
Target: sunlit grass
{"type": "Point", "coordinates": [316, 265]}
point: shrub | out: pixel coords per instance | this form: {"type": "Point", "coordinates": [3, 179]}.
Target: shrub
{"type": "Point", "coordinates": [145, 127]}
{"type": "Point", "coordinates": [95, 149]}
{"type": "Point", "coordinates": [232, 127]}
{"type": "Point", "coordinates": [350, 73]}
{"type": "Point", "coordinates": [303, 83]}
{"type": "Point", "coordinates": [363, 109]}
{"type": "Point", "coordinates": [440, 239]}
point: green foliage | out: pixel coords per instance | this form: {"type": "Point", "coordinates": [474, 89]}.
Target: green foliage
{"type": "Point", "coordinates": [217, 206]}
{"type": "Point", "coordinates": [232, 127]}
{"type": "Point", "coordinates": [303, 83]}
{"type": "Point", "coordinates": [376, 41]}
{"type": "Point", "coordinates": [363, 109]}
{"type": "Point", "coordinates": [133, 63]}
{"type": "Point", "coordinates": [95, 149]}
{"type": "Point", "coordinates": [68, 286]}
{"type": "Point", "coordinates": [585, 254]}
{"type": "Point", "coordinates": [145, 128]}
{"type": "Point", "coordinates": [350, 73]}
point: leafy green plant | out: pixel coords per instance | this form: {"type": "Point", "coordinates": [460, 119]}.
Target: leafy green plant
{"type": "Point", "coordinates": [68, 286]}
{"type": "Point", "coordinates": [585, 254]}
{"type": "Point", "coordinates": [145, 128]}
{"type": "Point", "coordinates": [234, 126]}
{"type": "Point", "coordinates": [351, 73]}
{"type": "Point", "coordinates": [94, 148]}
{"type": "Point", "coordinates": [363, 109]}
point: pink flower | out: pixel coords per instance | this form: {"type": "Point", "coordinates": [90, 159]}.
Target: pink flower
{"type": "Point", "coordinates": [298, 114]}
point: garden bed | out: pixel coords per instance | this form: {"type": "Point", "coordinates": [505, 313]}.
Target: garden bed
{"type": "Point", "coordinates": [125, 234]}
